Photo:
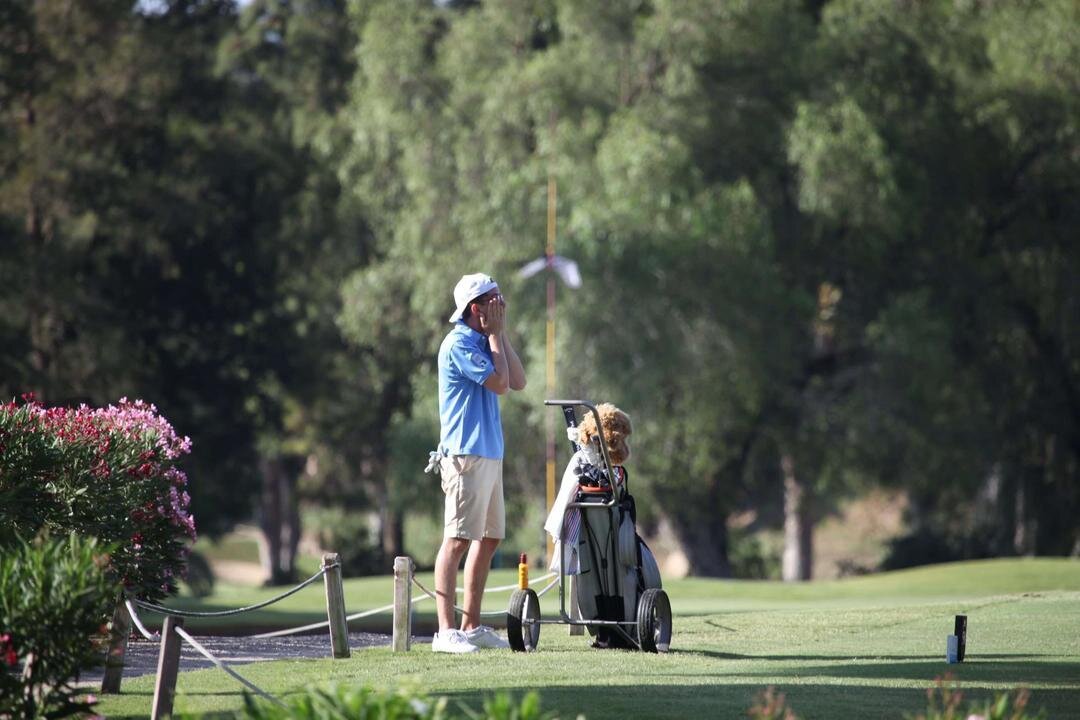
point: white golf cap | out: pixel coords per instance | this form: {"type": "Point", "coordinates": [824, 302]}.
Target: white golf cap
{"type": "Point", "coordinates": [469, 288]}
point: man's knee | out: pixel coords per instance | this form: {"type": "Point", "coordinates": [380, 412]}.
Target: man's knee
{"type": "Point", "coordinates": [487, 546]}
{"type": "Point", "coordinates": [454, 548]}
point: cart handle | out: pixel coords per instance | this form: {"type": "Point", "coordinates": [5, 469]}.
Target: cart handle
{"type": "Point", "coordinates": [603, 443]}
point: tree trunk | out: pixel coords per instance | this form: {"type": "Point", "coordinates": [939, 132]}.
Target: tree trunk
{"type": "Point", "coordinates": [392, 532]}
{"type": "Point", "coordinates": [797, 561]}
{"type": "Point", "coordinates": [704, 540]}
{"type": "Point", "coordinates": [279, 522]}
{"type": "Point", "coordinates": [1022, 544]}
{"type": "Point", "coordinates": [700, 524]}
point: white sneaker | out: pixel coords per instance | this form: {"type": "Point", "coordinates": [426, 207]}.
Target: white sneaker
{"type": "Point", "coordinates": [452, 641]}
{"type": "Point", "coordinates": [485, 637]}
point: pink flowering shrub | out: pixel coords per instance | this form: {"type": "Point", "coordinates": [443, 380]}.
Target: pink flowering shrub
{"type": "Point", "coordinates": [110, 473]}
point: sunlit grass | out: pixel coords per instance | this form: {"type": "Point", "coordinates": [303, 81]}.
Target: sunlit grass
{"type": "Point", "coordinates": [862, 647]}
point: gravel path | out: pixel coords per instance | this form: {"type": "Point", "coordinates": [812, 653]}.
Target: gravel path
{"type": "Point", "coordinates": [142, 654]}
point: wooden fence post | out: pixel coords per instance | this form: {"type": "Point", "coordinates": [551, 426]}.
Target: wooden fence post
{"type": "Point", "coordinates": [403, 572]}
{"type": "Point", "coordinates": [118, 640]}
{"type": "Point", "coordinates": [335, 606]}
{"type": "Point", "coordinates": [167, 669]}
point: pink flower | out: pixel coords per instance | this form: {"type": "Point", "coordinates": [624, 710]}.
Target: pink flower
{"type": "Point", "coordinates": [11, 657]}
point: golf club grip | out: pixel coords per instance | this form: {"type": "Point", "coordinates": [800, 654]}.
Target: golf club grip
{"type": "Point", "coordinates": [571, 421]}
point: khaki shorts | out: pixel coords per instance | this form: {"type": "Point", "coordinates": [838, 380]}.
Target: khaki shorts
{"type": "Point", "coordinates": [474, 497]}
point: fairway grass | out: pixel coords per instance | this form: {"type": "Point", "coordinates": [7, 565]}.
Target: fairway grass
{"type": "Point", "coordinates": [866, 647]}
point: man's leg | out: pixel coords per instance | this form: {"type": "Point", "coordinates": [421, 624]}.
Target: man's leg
{"type": "Point", "coordinates": [477, 565]}
{"type": "Point", "coordinates": [446, 566]}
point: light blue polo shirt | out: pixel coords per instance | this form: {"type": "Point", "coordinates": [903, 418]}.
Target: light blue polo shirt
{"type": "Point", "coordinates": [468, 411]}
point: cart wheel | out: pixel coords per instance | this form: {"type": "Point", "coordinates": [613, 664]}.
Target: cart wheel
{"type": "Point", "coordinates": [654, 621]}
{"type": "Point", "coordinates": [523, 620]}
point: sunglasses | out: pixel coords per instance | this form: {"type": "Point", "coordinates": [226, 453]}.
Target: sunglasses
{"type": "Point", "coordinates": [488, 297]}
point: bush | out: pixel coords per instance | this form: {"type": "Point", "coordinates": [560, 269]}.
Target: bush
{"type": "Point", "coordinates": [108, 473]}
{"type": "Point", "coordinates": [771, 705]}
{"type": "Point", "coordinates": [944, 704]}
{"type": "Point", "coordinates": [750, 558]}
{"type": "Point", "coordinates": [349, 535]}
{"type": "Point", "coordinates": [199, 576]}
{"type": "Point", "coordinates": [56, 597]}
{"type": "Point", "coordinates": [360, 703]}
{"type": "Point", "coordinates": [945, 698]}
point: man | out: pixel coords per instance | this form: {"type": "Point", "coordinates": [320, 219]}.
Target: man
{"type": "Point", "coordinates": [477, 363]}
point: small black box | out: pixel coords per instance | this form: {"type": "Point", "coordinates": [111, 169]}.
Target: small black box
{"type": "Point", "coordinates": [960, 631]}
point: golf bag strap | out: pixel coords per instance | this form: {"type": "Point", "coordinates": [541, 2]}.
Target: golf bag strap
{"type": "Point", "coordinates": [640, 571]}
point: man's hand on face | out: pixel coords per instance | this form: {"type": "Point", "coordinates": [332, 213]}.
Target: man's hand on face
{"type": "Point", "coordinates": [493, 316]}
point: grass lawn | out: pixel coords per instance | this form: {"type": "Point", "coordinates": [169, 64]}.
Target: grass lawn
{"type": "Point", "coordinates": [862, 647]}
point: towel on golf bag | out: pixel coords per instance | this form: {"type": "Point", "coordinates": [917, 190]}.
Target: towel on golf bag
{"type": "Point", "coordinates": [585, 463]}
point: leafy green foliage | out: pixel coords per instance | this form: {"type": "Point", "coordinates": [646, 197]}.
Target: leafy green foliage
{"type": "Point", "coordinates": [255, 215]}
{"type": "Point", "coordinates": [839, 272]}
{"type": "Point", "coordinates": [771, 705]}
{"type": "Point", "coordinates": [56, 597]}
{"type": "Point", "coordinates": [944, 703]}
{"type": "Point", "coordinates": [403, 704]}
{"type": "Point", "coordinates": [348, 534]}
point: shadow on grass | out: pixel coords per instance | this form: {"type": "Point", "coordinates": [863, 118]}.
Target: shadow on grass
{"type": "Point", "coordinates": [732, 700]}
{"type": "Point", "coordinates": [816, 691]}
{"type": "Point", "coordinates": [855, 658]}
{"type": "Point", "coordinates": [1009, 672]}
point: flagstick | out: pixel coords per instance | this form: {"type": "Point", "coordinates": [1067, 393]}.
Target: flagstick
{"type": "Point", "coordinates": [551, 199]}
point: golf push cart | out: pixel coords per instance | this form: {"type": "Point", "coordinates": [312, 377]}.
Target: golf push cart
{"type": "Point", "coordinates": [619, 591]}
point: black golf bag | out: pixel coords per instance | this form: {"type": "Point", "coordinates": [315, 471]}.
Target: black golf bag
{"type": "Point", "coordinates": [616, 566]}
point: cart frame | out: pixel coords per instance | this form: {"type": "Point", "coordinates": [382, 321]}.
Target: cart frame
{"type": "Point", "coordinates": [520, 602]}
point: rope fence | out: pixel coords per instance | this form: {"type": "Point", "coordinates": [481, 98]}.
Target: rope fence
{"type": "Point", "coordinates": [138, 623]}
{"type": "Point", "coordinates": [209, 656]}
{"type": "Point", "coordinates": [492, 613]}
{"type": "Point", "coordinates": [337, 622]}
{"type": "Point", "coordinates": [387, 608]}
{"type": "Point", "coordinates": [237, 611]}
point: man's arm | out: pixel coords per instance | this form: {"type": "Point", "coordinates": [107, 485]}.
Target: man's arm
{"type": "Point", "coordinates": [498, 382]}
{"type": "Point", "coordinates": [492, 324]}
{"type": "Point", "coordinates": [509, 373]}
{"type": "Point", "coordinates": [513, 363]}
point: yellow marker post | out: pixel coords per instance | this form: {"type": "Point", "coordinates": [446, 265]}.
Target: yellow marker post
{"type": "Point", "coordinates": [523, 571]}
{"type": "Point", "coordinates": [550, 423]}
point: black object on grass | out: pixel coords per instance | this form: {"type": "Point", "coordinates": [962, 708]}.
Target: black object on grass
{"type": "Point", "coordinates": [960, 630]}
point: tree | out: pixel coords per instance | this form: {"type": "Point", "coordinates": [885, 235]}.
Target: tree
{"type": "Point", "coordinates": [288, 65]}
{"type": "Point", "coordinates": [154, 248]}
{"type": "Point", "coordinates": [116, 189]}
{"type": "Point", "coordinates": [923, 98]}
{"type": "Point", "coordinates": [461, 117]}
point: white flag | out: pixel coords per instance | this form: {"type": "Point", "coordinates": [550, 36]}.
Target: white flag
{"type": "Point", "coordinates": [565, 268]}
